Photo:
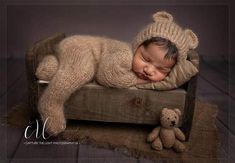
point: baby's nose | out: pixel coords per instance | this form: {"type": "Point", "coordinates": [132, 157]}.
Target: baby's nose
{"type": "Point", "coordinates": [148, 71]}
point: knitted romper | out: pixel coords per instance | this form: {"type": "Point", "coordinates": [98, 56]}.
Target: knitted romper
{"type": "Point", "coordinates": [80, 59]}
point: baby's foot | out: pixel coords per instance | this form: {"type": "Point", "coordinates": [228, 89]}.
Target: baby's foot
{"type": "Point", "coordinates": [55, 125]}
{"type": "Point", "coordinates": [54, 121]}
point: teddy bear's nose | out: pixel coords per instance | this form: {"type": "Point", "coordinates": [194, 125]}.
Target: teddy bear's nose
{"type": "Point", "coordinates": [173, 122]}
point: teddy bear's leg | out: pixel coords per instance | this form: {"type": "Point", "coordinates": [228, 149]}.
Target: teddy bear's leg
{"type": "Point", "coordinates": [178, 146]}
{"type": "Point", "coordinates": [153, 135]}
{"type": "Point", "coordinates": [157, 144]}
{"type": "Point", "coordinates": [47, 68]}
{"type": "Point", "coordinates": [67, 79]}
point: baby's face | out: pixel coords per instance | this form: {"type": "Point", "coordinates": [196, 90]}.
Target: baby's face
{"type": "Point", "coordinates": [149, 63]}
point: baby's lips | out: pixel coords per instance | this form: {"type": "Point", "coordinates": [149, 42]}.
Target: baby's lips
{"type": "Point", "coordinates": [142, 76]}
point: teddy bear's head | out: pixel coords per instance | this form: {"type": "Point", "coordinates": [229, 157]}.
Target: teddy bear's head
{"type": "Point", "coordinates": [169, 118]}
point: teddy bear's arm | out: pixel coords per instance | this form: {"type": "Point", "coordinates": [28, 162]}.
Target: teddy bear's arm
{"type": "Point", "coordinates": [153, 135]}
{"type": "Point", "coordinates": [179, 134]}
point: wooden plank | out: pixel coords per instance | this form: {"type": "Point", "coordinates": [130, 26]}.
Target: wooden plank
{"type": "Point", "coordinates": [3, 76]}
{"type": "Point", "coordinates": [11, 71]}
{"type": "Point", "coordinates": [89, 154]}
{"type": "Point", "coordinates": [207, 92]}
{"type": "Point", "coordinates": [51, 150]}
{"type": "Point", "coordinates": [227, 143]}
{"type": "Point", "coordinates": [3, 133]}
{"type": "Point", "coordinates": [18, 93]}
{"type": "Point", "coordinates": [44, 160]}
{"type": "Point", "coordinates": [232, 78]}
{"type": "Point", "coordinates": [205, 88]}
{"type": "Point", "coordinates": [117, 105]}
{"type": "Point", "coordinates": [142, 160]}
{"type": "Point", "coordinates": [216, 79]}
{"type": "Point", "coordinates": [10, 136]}
{"type": "Point", "coordinates": [220, 66]}
{"type": "Point", "coordinates": [225, 105]}
{"type": "Point", "coordinates": [223, 138]}
{"type": "Point", "coordinates": [107, 159]}
{"type": "Point", "coordinates": [189, 107]}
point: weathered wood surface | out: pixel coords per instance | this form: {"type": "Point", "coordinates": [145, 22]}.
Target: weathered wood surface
{"type": "Point", "coordinates": [98, 103]}
{"type": "Point", "coordinates": [54, 152]}
{"type": "Point", "coordinates": [189, 107]}
{"type": "Point", "coordinates": [100, 155]}
{"type": "Point", "coordinates": [14, 74]}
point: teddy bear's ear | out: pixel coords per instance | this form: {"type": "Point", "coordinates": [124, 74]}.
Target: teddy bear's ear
{"type": "Point", "coordinates": [162, 15]}
{"type": "Point", "coordinates": [192, 37]}
{"type": "Point", "coordinates": [177, 111]}
{"type": "Point", "coordinates": [164, 109]}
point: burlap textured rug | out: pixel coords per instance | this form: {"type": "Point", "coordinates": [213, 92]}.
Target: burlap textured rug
{"type": "Point", "coordinates": [131, 139]}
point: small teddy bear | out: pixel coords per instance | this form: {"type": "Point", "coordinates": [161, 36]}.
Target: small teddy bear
{"type": "Point", "coordinates": [168, 135]}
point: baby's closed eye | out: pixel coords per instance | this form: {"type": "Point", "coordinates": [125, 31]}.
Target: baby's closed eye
{"type": "Point", "coordinates": [164, 69]}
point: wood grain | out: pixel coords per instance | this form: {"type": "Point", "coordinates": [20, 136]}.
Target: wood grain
{"type": "Point", "coordinates": [98, 103]}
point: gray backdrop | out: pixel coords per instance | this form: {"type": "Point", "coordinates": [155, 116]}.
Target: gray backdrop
{"type": "Point", "coordinates": [24, 23]}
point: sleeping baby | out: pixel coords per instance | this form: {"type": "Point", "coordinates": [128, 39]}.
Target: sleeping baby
{"type": "Point", "coordinates": [155, 52]}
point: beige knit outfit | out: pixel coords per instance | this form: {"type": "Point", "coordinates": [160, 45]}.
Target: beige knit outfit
{"type": "Point", "coordinates": [82, 58]}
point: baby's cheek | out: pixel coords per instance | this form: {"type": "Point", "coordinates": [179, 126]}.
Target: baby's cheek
{"type": "Point", "coordinates": [137, 65]}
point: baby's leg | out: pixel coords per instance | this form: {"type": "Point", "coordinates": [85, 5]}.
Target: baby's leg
{"type": "Point", "coordinates": [47, 68]}
{"type": "Point", "coordinates": [67, 79]}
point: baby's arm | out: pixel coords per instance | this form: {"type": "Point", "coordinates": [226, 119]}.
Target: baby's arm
{"type": "Point", "coordinates": [115, 70]}
{"type": "Point", "coordinates": [181, 73]}
{"type": "Point", "coordinates": [142, 81]}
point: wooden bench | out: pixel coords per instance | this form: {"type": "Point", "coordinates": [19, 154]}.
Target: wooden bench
{"type": "Point", "coordinates": [97, 103]}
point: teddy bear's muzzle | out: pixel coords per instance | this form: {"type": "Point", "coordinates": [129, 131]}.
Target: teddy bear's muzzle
{"type": "Point", "coordinates": [172, 123]}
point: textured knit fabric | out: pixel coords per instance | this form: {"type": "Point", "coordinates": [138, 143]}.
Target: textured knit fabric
{"type": "Point", "coordinates": [82, 58]}
{"type": "Point", "coordinates": [185, 39]}
{"type": "Point", "coordinates": [164, 26]}
{"type": "Point", "coordinates": [181, 73]}
{"type": "Point", "coordinates": [47, 68]}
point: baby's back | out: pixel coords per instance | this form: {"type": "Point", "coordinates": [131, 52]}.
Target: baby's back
{"type": "Point", "coordinates": [96, 46]}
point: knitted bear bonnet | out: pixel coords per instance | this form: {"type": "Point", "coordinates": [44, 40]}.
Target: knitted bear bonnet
{"type": "Point", "coordinates": [164, 26]}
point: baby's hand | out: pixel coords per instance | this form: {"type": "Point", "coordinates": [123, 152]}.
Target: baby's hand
{"type": "Point", "coordinates": [142, 81]}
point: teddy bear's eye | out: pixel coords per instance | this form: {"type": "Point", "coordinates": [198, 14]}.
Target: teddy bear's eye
{"type": "Point", "coordinates": [168, 118]}
{"type": "Point", "coordinates": [175, 117]}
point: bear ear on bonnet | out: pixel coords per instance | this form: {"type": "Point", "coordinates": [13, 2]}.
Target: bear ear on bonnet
{"type": "Point", "coordinates": [162, 15]}
{"type": "Point", "coordinates": [192, 37]}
